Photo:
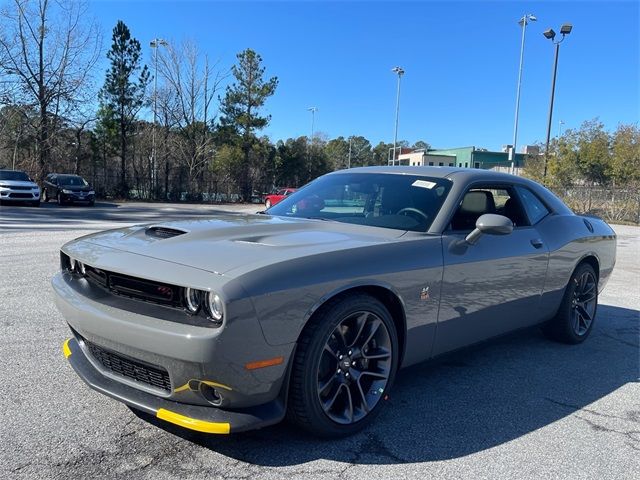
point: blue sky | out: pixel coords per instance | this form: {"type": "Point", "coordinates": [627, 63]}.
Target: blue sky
{"type": "Point", "coordinates": [461, 62]}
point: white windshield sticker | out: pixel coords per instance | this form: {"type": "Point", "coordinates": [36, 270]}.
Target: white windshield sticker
{"type": "Point", "coordinates": [423, 184]}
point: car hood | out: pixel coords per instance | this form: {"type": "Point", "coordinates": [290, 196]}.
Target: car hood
{"type": "Point", "coordinates": [232, 244]}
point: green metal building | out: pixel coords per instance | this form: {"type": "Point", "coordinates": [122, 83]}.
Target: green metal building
{"type": "Point", "coordinates": [472, 157]}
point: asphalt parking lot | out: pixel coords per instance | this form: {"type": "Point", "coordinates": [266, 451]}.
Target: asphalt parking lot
{"type": "Point", "coordinates": [517, 407]}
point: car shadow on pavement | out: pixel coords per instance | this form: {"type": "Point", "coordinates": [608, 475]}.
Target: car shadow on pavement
{"type": "Point", "coordinates": [465, 402]}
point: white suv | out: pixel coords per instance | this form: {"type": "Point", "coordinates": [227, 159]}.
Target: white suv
{"type": "Point", "coordinates": [16, 186]}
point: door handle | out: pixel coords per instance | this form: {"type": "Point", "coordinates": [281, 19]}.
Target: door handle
{"type": "Point", "coordinates": [537, 243]}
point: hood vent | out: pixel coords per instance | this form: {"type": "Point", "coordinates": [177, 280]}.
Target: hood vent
{"type": "Point", "coordinates": [164, 232]}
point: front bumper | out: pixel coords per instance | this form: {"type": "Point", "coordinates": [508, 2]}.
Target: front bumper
{"type": "Point", "coordinates": [11, 195]}
{"type": "Point", "coordinates": [190, 356]}
{"type": "Point", "coordinates": [194, 417]}
{"type": "Point", "coordinates": [76, 197]}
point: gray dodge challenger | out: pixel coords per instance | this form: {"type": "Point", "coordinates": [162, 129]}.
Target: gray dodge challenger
{"type": "Point", "coordinates": [308, 310]}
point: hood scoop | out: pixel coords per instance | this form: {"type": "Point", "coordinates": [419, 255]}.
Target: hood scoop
{"type": "Point", "coordinates": [158, 231]}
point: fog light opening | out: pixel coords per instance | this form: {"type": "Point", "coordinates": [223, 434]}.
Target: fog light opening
{"type": "Point", "coordinates": [210, 394]}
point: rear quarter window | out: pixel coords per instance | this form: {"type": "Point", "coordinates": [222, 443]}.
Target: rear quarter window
{"type": "Point", "coordinates": [536, 210]}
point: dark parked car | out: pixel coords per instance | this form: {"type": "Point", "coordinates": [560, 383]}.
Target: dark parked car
{"type": "Point", "coordinates": [67, 189]}
{"type": "Point", "coordinates": [228, 324]}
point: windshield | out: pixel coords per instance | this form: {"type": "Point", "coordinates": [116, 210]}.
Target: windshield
{"type": "Point", "coordinates": [13, 175]}
{"type": "Point", "coordinates": [72, 181]}
{"type": "Point", "coordinates": [401, 202]}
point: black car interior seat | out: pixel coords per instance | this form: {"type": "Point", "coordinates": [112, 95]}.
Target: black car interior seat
{"type": "Point", "coordinates": [474, 204]}
{"type": "Point", "coordinates": [513, 212]}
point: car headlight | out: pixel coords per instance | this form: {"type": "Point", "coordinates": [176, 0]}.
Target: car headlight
{"type": "Point", "coordinates": [193, 299]}
{"type": "Point", "coordinates": [214, 306]}
{"type": "Point", "coordinates": [91, 192]}
{"type": "Point", "coordinates": [64, 190]}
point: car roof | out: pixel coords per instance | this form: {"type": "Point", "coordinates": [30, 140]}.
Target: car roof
{"type": "Point", "coordinates": [460, 174]}
{"type": "Point", "coordinates": [438, 172]}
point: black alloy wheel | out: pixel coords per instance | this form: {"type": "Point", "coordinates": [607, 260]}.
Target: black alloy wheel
{"type": "Point", "coordinates": [344, 366]}
{"type": "Point", "coordinates": [354, 367]}
{"type": "Point", "coordinates": [575, 317]}
{"type": "Point", "coordinates": [584, 303]}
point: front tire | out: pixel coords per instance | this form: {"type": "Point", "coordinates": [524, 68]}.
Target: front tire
{"type": "Point", "coordinates": [574, 321]}
{"type": "Point", "coordinates": [345, 364]}
{"type": "Point", "coordinates": [60, 201]}
{"type": "Point", "coordinates": [45, 196]}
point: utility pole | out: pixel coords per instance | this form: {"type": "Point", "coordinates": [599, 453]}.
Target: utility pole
{"type": "Point", "coordinates": [155, 44]}
{"type": "Point", "coordinates": [313, 111]}
{"type": "Point", "coordinates": [524, 21]}
{"type": "Point", "coordinates": [398, 71]}
{"type": "Point", "coordinates": [550, 35]}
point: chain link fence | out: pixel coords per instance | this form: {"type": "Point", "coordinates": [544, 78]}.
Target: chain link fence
{"type": "Point", "coordinates": [613, 204]}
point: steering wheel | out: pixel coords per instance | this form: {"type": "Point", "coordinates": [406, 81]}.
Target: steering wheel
{"type": "Point", "coordinates": [413, 210]}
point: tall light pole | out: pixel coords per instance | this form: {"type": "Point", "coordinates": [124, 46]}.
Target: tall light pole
{"type": "Point", "coordinates": [155, 44]}
{"type": "Point", "coordinates": [560, 124]}
{"type": "Point", "coordinates": [398, 71]}
{"type": "Point", "coordinates": [524, 21]}
{"type": "Point", "coordinates": [349, 161]}
{"type": "Point", "coordinates": [551, 35]}
{"type": "Point", "coordinates": [313, 111]}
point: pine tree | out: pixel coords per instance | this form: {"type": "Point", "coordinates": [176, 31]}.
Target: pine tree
{"type": "Point", "coordinates": [241, 105]}
{"type": "Point", "coordinates": [123, 94]}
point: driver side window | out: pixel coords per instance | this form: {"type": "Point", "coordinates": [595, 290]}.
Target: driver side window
{"type": "Point", "coordinates": [478, 201]}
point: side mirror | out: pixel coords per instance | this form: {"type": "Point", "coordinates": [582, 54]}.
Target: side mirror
{"type": "Point", "coordinates": [490, 224]}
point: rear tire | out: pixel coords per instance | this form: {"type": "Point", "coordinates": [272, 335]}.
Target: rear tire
{"type": "Point", "coordinates": [345, 363]}
{"type": "Point", "coordinates": [574, 321]}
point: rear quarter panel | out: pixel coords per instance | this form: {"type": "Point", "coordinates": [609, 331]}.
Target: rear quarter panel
{"type": "Point", "coordinates": [570, 241]}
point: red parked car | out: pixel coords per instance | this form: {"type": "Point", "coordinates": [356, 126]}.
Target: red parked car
{"type": "Point", "coordinates": [274, 198]}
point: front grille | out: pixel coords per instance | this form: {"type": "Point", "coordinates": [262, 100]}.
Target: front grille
{"type": "Point", "coordinates": [20, 195]}
{"type": "Point", "coordinates": [13, 187]}
{"type": "Point", "coordinates": [141, 372]}
{"type": "Point", "coordinates": [136, 288]}
{"type": "Point", "coordinates": [97, 276]}
{"type": "Point", "coordinates": [143, 289]}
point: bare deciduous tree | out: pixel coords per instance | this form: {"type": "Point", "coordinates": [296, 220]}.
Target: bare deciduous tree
{"type": "Point", "coordinates": [191, 83]}
{"type": "Point", "coordinates": [47, 52]}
